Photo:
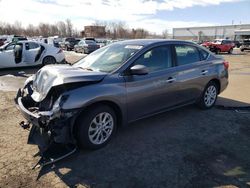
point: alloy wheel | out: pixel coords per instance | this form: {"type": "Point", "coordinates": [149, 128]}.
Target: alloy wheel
{"type": "Point", "coordinates": [210, 95]}
{"type": "Point", "coordinates": [101, 128]}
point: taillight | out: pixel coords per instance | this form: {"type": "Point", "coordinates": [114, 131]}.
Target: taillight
{"type": "Point", "coordinates": [59, 51]}
{"type": "Point", "coordinates": [226, 64]}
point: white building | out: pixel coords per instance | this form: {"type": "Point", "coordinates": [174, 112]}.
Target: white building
{"type": "Point", "coordinates": [212, 32]}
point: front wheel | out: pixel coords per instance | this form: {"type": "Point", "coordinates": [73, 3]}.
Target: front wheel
{"type": "Point", "coordinates": [96, 127]}
{"type": "Point", "coordinates": [209, 96]}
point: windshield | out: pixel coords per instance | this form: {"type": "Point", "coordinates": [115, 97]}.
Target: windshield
{"type": "Point", "coordinates": [217, 41]}
{"type": "Point", "coordinates": [90, 42]}
{"type": "Point", "coordinates": [70, 39]}
{"type": "Point", "coordinates": [108, 58]}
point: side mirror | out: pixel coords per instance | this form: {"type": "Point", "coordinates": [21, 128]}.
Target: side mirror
{"type": "Point", "coordinates": [138, 70]}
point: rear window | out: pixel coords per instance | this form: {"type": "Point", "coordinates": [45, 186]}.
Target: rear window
{"type": "Point", "coordinates": [70, 39]}
{"type": "Point", "coordinates": [247, 42]}
{"type": "Point", "coordinates": [186, 54]}
{"type": "Point", "coordinates": [90, 42]}
{"type": "Point", "coordinates": [204, 54]}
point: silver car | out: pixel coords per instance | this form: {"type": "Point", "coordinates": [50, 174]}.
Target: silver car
{"type": "Point", "coordinates": [83, 104]}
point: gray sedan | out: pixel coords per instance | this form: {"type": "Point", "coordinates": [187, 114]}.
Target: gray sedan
{"type": "Point", "coordinates": [83, 104]}
{"type": "Point", "coordinates": [86, 46]}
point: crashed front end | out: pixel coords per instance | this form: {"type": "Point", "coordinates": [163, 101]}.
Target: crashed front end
{"type": "Point", "coordinates": [48, 123]}
{"type": "Point", "coordinates": [41, 102]}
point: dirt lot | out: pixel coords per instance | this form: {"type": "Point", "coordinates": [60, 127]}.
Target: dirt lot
{"type": "Point", "coordinates": [187, 147]}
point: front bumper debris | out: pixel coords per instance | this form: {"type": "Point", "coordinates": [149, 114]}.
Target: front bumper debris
{"type": "Point", "coordinates": [53, 137]}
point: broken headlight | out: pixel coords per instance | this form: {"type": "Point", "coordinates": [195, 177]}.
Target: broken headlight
{"type": "Point", "coordinates": [58, 103]}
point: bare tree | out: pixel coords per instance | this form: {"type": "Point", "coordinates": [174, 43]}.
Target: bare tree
{"type": "Point", "coordinates": [30, 30]}
{"type": "Point", "coordinates": [113, 29]}
{"type": "Point", "coordinates": [62, 29]}
{"type": "Point", "coordinates": [69, 27]}
{"type": "Point", "coordinates": [165, 34]}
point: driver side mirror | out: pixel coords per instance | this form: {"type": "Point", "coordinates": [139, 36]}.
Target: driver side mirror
{"type": "Point", "coordinates": [138, 70]}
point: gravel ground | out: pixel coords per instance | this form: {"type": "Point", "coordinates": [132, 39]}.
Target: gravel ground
{"type": "Point", "coordinates": [186, 147]}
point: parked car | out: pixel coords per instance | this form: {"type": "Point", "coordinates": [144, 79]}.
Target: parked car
{"type": "Point", "coordinates": [120, 83]}
{"type": "Point", "coordinates": [237, 43]}
{"type": "Point", "coordinates": [220, 45]}
{"type": "Point", "coordinates": [2, 41]}
{"type": "Point", "coordinates": [17, 38]}
{"type": "Point", "coordinates": [86, 46]}
{"type": "Point", "coordinates": [69, 43]}
{"type": "Point", "coordinates": [101, 42]}
{"type": "Point", "coordinates": [245, 45]}
{"type": "Point", "coordinates": [29, 53]}
{"type": "Point", "coordinates": [90, 38]}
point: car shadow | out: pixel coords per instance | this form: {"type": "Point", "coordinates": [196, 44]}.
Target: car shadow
{"type": "Point", "coordinates": [20, 71]}
{"type": "Point", "coordinates": [186, 147]}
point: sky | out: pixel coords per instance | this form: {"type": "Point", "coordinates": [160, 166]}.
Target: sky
{"type": "Point", "coordinates": [152, 15]}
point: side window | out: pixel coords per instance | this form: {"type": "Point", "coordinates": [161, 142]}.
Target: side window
{"type": "Point", "coordinates": [156, 59]}
{"type": "Point", "coordinates": [10, 47]}
{"type": "Point", "coordinates": [186, 54]}
{"type": "Point", "coordinates": [204, 54]}
{"type": "Point", "coordinates": [33, 45]}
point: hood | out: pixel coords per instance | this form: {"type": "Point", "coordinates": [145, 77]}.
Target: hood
{"type": "Point", "coordinates": [207, 43]}
{"type": "Point", "coordinates": [55, 75]}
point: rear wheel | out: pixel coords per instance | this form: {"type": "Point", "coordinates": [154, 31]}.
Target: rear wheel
{"type": "Point", "coordinates": [209, 96]}
{"type": "Point", "coordinates": [49, 60]}
{"type": "Point", "coordinates": [217, 50]}
{"type": "Point", "coordinates": [230, 51]}
{"type": "Point", "coordinates": [96, 128]}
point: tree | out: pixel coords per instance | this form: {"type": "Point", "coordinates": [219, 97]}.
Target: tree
{"type": "Point", "coordinates": [165, 34]}
{"type": "Point", "coordinates": [69, 27]}
{"type": "Point", "coordinates": [62, 29]}
{"type": "Point", "coordinates": [30, 30]}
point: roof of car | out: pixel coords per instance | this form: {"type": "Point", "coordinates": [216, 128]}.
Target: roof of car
{"type": "Point", "coordinates": [145, 42]}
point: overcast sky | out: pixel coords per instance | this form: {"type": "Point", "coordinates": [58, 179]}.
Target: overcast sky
{"type": "Point", "coordinates": [153, 15]}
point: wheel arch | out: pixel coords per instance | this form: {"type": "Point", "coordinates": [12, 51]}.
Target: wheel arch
{"type": "Point", "coordinates": [117, 109]}
{"type": "Point", "coordinates": [217, 82]}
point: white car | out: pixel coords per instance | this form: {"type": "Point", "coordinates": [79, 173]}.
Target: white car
{"type": "Point", "coordinates": [29, 53]}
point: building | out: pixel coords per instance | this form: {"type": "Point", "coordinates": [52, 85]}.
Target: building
{"type": "Point", "coordinates": [211, 32]}
{"type": "Point", "coordinates": [94, 31]}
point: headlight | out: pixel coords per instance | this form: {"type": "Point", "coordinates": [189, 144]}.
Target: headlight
{"type": "Point", "coordinates": [31, 78]}
{"type": "Point", "coordinates": [58, 103]}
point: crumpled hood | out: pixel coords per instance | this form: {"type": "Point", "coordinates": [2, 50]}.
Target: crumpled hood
{"type": "Point", "coordinates": [55, 75]}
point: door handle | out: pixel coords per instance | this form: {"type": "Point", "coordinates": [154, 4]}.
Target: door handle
{"type": "Point", "coordinates": [170, 80]}
{"type": "Point", "coordinates": [204, 72]}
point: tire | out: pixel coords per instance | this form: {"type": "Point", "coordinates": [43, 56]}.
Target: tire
{"type": "Point", "coordinates": [242, 50]}
{"type": "Point", "coordinates": [217, 51]}
{"type": "Point", "coordinates": [89, 136]}
{"type": "Point", "coordinates": [230, 51]}
{"type": "Point", "coordinates": [49, 60]}
{"type": "Point", "coordinates": [209, 96]}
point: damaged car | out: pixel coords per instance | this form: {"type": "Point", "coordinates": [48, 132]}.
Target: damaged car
{"type": "Point", "coordinates": [29, 53]}
{"type": "Point", "coordinates": [84, 103]}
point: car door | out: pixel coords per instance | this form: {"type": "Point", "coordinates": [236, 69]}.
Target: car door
{"type": "Point", "coordinates": [225, 46]}
{"type": "Point", "coordinates": [80, 46]}
{"type": "Point", "coordinates": [31, 54]}
{"type": "Point", "coordinates": [193, 71]}
{"type": "Point", "coordinates": [7, 57]}
{"type": "Point", "coordinates": [155, 91]}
